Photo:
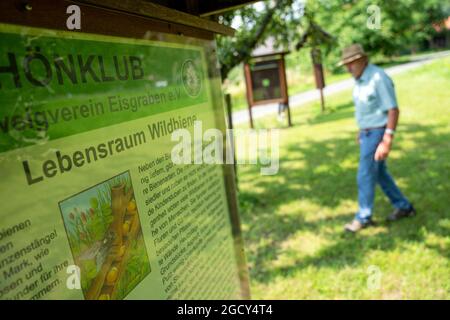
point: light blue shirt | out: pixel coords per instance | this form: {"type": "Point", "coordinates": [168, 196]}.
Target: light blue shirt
{"type": "Point", "coordinates": [373, 95]}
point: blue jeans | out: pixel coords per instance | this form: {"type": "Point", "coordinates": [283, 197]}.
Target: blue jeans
{"type": "Point", "coordinates": [371, 172]}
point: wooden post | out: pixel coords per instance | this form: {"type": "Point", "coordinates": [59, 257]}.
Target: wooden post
{"type": "Point", "coordinates": [230, 126]}
{"type": "Point", "coordinates": [251, 116]}
{"type": "Point", "coordinates": [248, 85]}
{"type": "Point", "coordinates": [316, 57]}
{"type": "Point", "coordinates": [229, 110]}
{"type": "Point", "coordinates": [284, 88]}
{"type": "Point", "coordinates": [289, 115]}
{"type": "Point", "coordinates": [322, 101]}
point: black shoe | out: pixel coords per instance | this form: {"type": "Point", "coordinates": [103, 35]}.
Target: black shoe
{"type": "Point", "coordinates": [401, 213]}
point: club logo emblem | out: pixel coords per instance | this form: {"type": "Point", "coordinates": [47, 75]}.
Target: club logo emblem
{"type": "Point", "coordinates": [192, 80]}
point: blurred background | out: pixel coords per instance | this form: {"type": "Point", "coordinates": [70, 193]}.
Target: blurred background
{"type": "Point", "coordinates": [293, 221]}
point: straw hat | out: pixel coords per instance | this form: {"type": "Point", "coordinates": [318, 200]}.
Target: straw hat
{"type": "Point", "coordinates": [352, 53]}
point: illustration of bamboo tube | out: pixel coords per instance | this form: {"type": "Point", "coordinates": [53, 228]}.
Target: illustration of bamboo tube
{"type": "Point", "coordinates": [118, 207]}
{"type": "Point", "coordinates": [119, 202]}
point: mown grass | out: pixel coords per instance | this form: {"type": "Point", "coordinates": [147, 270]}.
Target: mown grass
{"type": "Point", "coordinates": [293, 221]}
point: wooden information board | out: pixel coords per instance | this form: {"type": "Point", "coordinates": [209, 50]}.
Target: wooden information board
{"type": "Point", "coordinates": [265, 79]}
{"type": "Point", "coordinates": [93, 206]}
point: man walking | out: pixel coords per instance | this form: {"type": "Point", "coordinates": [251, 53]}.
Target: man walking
{"type": "Point", "coordinates": [376, 112]}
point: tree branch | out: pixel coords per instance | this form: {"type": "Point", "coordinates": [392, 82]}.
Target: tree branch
{"type": "Point", "coordinates": [246, 47]}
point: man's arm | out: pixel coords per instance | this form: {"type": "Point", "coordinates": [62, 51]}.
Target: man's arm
{"type": "Point", "coordinates": [385, 145]}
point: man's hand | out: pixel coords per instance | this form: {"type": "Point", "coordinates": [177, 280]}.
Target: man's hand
{"type": "Point", "coordinates": [383, 148]}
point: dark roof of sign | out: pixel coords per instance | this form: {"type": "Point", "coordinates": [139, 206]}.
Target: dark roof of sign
{"type": "Point", "coordinates": [192, 13]}
{"type": "Point", "coordinates": [268, 48]}
{"type": "Point", "coordinates": [203, 8]}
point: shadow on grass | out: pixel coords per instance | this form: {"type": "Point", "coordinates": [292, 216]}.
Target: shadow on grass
{"type": "Point", "coordinates": [324, 182]}
{"type": "Point", "coordinates": [342, 111]}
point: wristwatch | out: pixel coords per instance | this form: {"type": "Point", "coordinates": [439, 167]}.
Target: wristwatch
{"type": "Point", "coordinates": [389, 131]}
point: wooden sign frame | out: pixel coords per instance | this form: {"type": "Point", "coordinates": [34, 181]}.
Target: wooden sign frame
{"type": "Point", "coordinates": [284, 99]}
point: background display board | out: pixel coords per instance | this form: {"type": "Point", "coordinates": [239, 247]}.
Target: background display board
{"type": "Point", "coordinates": [266, 82]}
{"type": "Point", "coordinates": [86, 173]}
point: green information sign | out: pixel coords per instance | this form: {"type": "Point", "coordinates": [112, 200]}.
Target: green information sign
{"type": "Point", "coordinates": [92, 205]}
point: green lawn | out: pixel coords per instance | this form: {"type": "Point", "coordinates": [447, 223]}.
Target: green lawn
{"type": "Point", "coordinates": [293, 221]}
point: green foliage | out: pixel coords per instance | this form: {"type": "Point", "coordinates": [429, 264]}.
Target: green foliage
{"type": "Point", "coordinates": [88, 270]}
{"type": "Point", "coordinates": [331, 24]}
{"type": "Point", "coordinates": [94, 203]}
{"type": "Point", "coordinates": [405, 25]}
{"type": "Point", "coordinates": [257, 23]}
